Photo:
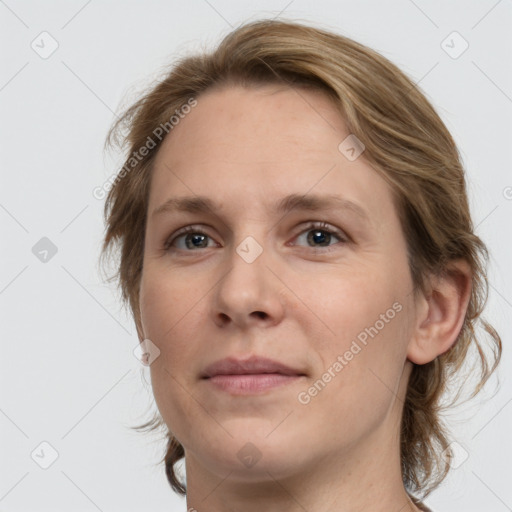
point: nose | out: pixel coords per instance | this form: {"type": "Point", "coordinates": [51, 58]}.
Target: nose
{"type": "Point", "coordinates": [249, 293]}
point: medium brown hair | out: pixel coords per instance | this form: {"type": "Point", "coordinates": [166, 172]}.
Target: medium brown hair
{"type": "Point", "coordinates": [406, 142]}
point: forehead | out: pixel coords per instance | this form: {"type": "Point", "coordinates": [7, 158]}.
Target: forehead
{"type": "Point", "coordinates": [253, 146]}
{"type": "Point", "coordinates": [248, 119]}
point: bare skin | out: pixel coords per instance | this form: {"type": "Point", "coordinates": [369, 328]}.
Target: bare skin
{"type": "Point", "coordinates": [336, 449]}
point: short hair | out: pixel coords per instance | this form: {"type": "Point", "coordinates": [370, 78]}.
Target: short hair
{"type": "Point", "coordinates": [405, 141]}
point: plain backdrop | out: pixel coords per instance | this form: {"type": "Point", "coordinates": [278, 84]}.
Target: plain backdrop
{"type": "Point", "coordinates": [70, 384]}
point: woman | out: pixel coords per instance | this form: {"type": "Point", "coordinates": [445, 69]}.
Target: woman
{"type": "Point", "coordinates": [299, 258]}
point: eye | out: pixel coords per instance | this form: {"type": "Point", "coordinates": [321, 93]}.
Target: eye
{"type": "Point", "coordinates": [193, 237]}
{"type": "Point", "coordinates": [317, 233]}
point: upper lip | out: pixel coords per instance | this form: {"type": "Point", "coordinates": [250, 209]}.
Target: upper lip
{"type": "Point", "coordinates": [251, 366]}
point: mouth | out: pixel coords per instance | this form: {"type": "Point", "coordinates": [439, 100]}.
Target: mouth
{"type": "Point", "coordinates": [250, 376]}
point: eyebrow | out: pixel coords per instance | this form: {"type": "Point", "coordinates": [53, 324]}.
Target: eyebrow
{"type": "Point", "coordinates": [289, 203]}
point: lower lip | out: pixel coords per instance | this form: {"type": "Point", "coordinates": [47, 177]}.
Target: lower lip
{"type": "Point", "coordinates": [254, 383]}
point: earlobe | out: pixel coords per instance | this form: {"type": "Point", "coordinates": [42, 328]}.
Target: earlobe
{"type": "Point", "coordinates": [440, 315]}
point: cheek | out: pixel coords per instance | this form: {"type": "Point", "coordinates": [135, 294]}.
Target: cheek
{"type": "Point", "coordinates": [365, 347]}
{"type": "Point", "coordinates": [165, 315]}
{"type": "Point", "coordinates": [353, 396]}
{"type": "Point", "coordinates": [169, 320]}
{"type": "Point", "coordinates": [166, 307]}
{"type": "Point", "coordinates": [348, 304]}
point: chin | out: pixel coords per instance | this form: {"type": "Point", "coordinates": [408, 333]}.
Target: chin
{"type": "Point", "coordinates": [250, 464]}
{"type": "Point", "coordinates": [251, 454]}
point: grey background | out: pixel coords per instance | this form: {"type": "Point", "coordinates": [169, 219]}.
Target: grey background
{"type": "Point", "coordinates": [68, 374]}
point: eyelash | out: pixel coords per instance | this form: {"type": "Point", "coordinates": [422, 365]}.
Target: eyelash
{"type": "Point", "coordinates": [320, 226]}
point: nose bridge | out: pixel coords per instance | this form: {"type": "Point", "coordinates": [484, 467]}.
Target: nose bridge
{"type": "Point", "coordinates": [249, 286]}
{"type": "Point", "coordinates": [248, 260]}
{"type": "Point", "coordinates": [251, 243]}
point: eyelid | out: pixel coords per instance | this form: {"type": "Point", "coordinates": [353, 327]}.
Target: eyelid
{"type": "Point", "coordinates": [304, 227]}
{"type": "Point", "coordinates": [194, 228]}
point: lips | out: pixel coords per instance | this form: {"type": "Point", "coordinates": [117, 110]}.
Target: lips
{"type": "Point", "coordinates": [255, 365]}
{"type": "Point", "coordinates": [253, 376]}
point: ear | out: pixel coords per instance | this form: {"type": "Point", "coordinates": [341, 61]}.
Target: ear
{"type": "Point", "coordinates": [440, 315]}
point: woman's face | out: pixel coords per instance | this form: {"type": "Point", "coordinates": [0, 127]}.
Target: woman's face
{"type": "Point", "coordinates": [331, 304]}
